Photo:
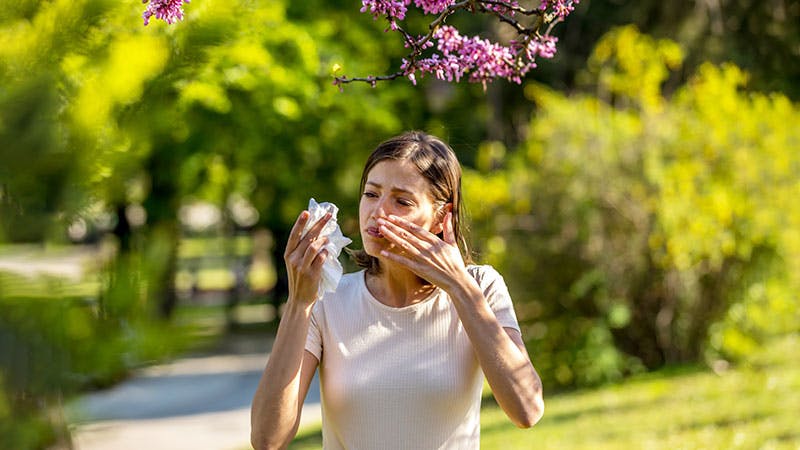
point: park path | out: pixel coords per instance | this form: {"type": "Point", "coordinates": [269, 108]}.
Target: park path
{"type": "Point", "coordinates": [199, 402]}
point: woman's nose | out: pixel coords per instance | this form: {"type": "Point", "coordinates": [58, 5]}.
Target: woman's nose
{"type": "Point", "coordinates": [380, 208]}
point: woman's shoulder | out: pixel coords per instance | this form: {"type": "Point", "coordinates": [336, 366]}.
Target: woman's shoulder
{"type": "Point", "coordinates": [351, 279]}
{"type": "Point", "coordinates": [348, 283]}
{"type": "Point", "coordinates": [347, 292]}
{"type": "Point", "coordinates": [483, 273]}
{"type": "Point", "coordinates": [494, 289]}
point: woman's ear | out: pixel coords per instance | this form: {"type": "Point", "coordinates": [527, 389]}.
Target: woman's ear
{"type": "Point", "coordinates": [441, 214]}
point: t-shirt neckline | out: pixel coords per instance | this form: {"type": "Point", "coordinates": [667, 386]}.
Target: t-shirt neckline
{"type": "Point", "coordinates": [371, 298]}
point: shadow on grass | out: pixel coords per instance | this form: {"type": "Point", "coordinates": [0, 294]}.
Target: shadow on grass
{"type": "Point", "coordinates": [788, 437]}
{"type": "Point", "coordinates": [687, 428]}
{"type": "Point", "coordinates": [725, 422]}
{"type": "Point", "coordinates": [557, 418]}
{"type": "Point", "coordinates": [618, 406]}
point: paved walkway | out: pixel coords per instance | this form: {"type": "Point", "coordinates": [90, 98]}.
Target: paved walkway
{"type": "Point", "coordinates": [198, 403]}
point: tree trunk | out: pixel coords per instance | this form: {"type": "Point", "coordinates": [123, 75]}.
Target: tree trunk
{"type": "Point", "coordinates": [163, 229]}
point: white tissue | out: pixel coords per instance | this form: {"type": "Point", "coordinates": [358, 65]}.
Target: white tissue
{"type": "Point", "coordinates": [331, 268]}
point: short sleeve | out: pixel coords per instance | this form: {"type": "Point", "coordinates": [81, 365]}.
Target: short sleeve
{"type": "Point", "coordinates": [314, 338]}
{"type": "Point", "coordinates": [496, 293]}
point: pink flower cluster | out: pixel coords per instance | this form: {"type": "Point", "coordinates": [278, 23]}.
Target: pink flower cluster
{"type": "Point", "coordinates": [433, 6]}
{"type": "Point", "coordinates": [392, 9]}
{"type": "Point", "coordinates": [560, 8]}
{"type": "Point", "coordinates": [396, 9]}
{"type": "Point", "coordinates": [460, 55]}
{"type": "Point", "coordinates": [479, 59]}
{"type": "Point", "coordinates": [544, 46]}
{"type": "Point", "coordinates": [456, 57]}
{"type": "Point", "coordinates": [169, 11]}
{"type": "Point", "coordinates": [505, 7]}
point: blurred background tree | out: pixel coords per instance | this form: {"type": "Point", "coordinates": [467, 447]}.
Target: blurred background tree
{"type": "Point", "coordinates": [762, 38]}
{"type": "Point", "coordinates": [108, 126]}
{"type": "Point", "coordinates": [645, 229]}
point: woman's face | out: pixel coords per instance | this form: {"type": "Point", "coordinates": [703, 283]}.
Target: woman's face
{"type": "Point", "coordinates": [395, 188]}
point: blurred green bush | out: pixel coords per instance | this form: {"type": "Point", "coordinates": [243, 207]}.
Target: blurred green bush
{"type": "Point", "coordinates": [54, 345]}
{"type": "Point", "coordinates": [638, 227]}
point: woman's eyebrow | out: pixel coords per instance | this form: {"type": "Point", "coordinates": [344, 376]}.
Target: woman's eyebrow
{"type": "Point", "coordinates": [394, 189]}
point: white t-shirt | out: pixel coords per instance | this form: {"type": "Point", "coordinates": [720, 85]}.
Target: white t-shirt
{"type": "Point", "coordinates": [400, 378]}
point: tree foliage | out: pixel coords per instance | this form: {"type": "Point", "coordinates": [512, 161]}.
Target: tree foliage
{"type": "Point", "coordinates": [638, 229]}
{"type": "Point", "coordinates": [760, 37]}
{"type": "Point", "coordinates": [106, 121]}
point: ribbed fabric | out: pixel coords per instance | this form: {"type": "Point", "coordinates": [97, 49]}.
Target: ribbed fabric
{"type": "Point", "coordinates": [400, 378]}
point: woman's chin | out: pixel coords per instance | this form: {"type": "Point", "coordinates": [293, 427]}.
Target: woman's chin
{"type": "Point", "coordinates": [373, 248]}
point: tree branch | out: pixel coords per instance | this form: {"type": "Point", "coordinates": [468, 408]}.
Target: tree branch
{"type": "Point", "coordinates": [451, 59]}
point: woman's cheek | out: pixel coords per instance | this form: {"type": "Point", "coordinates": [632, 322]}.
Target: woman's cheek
{"type": "Point", "coordinates": [419, 218]}
{"type": "Point", "coordinates": [412, 215]}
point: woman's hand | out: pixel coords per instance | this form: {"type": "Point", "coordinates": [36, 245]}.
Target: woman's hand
{"type": "Point", "coordinates": [436, 260]}
{"type": "Point", "coordinates": [304, 258]}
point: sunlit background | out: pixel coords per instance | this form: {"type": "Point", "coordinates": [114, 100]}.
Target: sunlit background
{"type": "Point", "coordinates": [639, 193]}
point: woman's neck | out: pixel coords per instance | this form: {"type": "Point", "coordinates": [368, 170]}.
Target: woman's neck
{"type": "Point", "coordinates": [397, 286]}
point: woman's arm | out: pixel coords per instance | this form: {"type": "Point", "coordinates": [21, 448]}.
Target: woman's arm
{"type": "Point", "coordinates": [278, 401]}
{"type": "Point", "coordinates": [502, 355]}
{"type": "Point", "coordinates": [500, 352]}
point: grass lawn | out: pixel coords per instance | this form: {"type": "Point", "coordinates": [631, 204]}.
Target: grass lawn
{"type": "Point", "coordinates": [753, 406]}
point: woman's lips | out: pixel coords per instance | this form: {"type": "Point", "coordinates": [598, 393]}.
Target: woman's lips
{"type": "Point", "coordinates": [373, 231]}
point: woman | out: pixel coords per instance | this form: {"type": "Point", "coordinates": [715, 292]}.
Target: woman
{"type": "Point", "coordinates": [402, 345]}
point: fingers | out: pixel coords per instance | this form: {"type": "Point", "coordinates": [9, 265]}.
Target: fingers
{"type": "Point", "coordinates": [295, 242]}
{"type": "Point", "coordinates": [305, 271]}
{"type": "Point", "coordinates": [315, 254]}
{"type": "Point", "coordinates": [313, 232]}
{"type": "Point", "coordinates": [400, 237]}
{"type": "Point", "coordinates": [409, 231]}
{"type": "Point", "coordinates": [416, 230]}
{"type": "Point", "coordinates": [449, 234]}
{"type": "Point", "coordinates": [297, 231]}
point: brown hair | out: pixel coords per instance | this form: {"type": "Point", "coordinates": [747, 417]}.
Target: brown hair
{"type": "Point", "coordinates": [435, 161]}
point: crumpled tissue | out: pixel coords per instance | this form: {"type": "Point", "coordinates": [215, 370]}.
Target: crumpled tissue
{"type": "Point", "coordinates": [331, 268]}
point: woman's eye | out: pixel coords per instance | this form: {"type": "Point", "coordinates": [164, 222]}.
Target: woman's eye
{"type": "Point", "coordinates": [370, 194]}
{"type": "Point", "coordinates": [405, 202]}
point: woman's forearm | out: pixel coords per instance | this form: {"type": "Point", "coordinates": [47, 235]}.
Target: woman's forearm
{"type": "Point", "coordinates": [278, 400]}
{"type": "Point", "coordinates": [515, 384]}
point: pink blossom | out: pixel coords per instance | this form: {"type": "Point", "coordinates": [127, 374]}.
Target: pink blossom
{"type": "Point", "coordinates": [479, 60]}
{"type": "Point", "coordinates": [433, 6]}
{"type": "Point", "coordinates": [561, 8]}
{"type": "Point", "coordinates": [503, 9]}
{"type": "Point", "coordinates": [544, 46]}
{"type": "Point", "coordinates": [392, 9]}
{"type": "Point", "coordinates": [169, 11]}
{"type": "Point", "coordinates": [396, 9]}
{"type": "Point", "coordinates": [447, 55]}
